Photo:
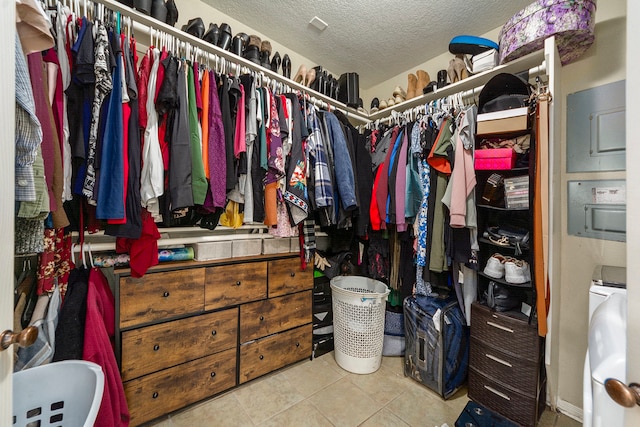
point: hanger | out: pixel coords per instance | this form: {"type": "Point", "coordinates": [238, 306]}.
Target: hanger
{"type": "Point", "coordinates": [90, 255]}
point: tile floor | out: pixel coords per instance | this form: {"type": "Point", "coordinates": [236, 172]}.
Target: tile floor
{"type": "Point", "coordinates": [320, 393]}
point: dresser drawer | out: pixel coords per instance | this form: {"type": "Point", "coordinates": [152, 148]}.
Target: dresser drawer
{"type": "Point", "coordinates": [524, 410]}
{"type": "Point", "coordinates": [160, 296]}
{"type": "Point", "coordinates": [227, 285]}
{"type": "Point", "coordinates": [519, 374]}
{"type": "Point", "coordinates": [156, 394]}
{"type": "Point", "coordinates": [285, 277]}
{"type": "Point", "coordinates": [273, 352]}
{"type": "Point", "coordinates": [157, 347]}
{"type": "Point", "coordinates": [262, 318]}
{"type": "Point", "coordinates": [506, 333]}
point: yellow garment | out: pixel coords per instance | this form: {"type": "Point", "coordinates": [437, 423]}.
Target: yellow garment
{"type": "Point", "coordinates": [231, 217]}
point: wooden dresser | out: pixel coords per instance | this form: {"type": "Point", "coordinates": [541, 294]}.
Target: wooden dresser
{"type": "Point", "coordinates": [189, 330]}
{"type": "Point", "coordinates": [506, 369]}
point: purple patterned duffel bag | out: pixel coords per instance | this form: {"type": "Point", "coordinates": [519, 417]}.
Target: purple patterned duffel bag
{"type": "Point", "coordinates": [570, 21]}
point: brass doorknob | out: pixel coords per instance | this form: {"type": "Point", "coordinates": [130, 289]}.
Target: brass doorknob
{"type": "Point", "coordinates": [24, 338]}
{"type": "Point", "coordinates": [622, 394]}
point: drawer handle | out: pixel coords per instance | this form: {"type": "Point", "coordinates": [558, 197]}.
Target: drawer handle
{"type": "Point", "coordinates": [155, 395]}
{"type": "Point", "coordinates": [238, 283]}
{"type": "Point", "coordinates": [297, 344]}
{"type": "Point", "coordinates": [261, 318]}
{"type": "Point", "coordinates": [261, 357]}
{"type": "Point", "coordinates": [213, 374]}
{"type": "Point", "coordinates": [156, 347]}
{"type": "Point", "coordinates": [293, 274]}
{"type": "Point", "coordinates": [496, 392]}
{"type": "Point", "coordinates": [504, 328]}
{"type": "Point", "coordinates": [165, 294]}
{"type": "Point", "coordinates": [495, 359]}
{"type": "Point", "coordinates": [214, 332]}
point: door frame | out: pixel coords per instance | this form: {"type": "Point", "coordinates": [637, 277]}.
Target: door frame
{"type": "Point", "coordinates": [7, 189]}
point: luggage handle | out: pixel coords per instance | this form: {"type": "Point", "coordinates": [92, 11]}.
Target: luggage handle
{"type": "Point", "coordinates": [496, 392]}
{"type": "Point", "coordinates": [504, 328]}
{"type": "Point", "coordinates": [496, 359]}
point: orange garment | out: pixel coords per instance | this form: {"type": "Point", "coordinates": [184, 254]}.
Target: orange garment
{"type": "Point", "coordinates": [437, 157]}
{"type": "Point", "coordinates": [205, 123]}
{"type": "Point", "coordinates": [271, 204]}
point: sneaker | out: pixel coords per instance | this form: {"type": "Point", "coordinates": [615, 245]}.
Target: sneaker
{"type": "Point", "coordinates": [517, 271]}
{"type": "Point", "coordinates": [495, 266]}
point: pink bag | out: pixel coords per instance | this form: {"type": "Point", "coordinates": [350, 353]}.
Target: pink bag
{"type": "Point", "coordinates": [571, 21]}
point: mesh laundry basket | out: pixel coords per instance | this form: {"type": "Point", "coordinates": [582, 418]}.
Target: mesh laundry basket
{"type": "Point", "coordinates": [66, 393]}
{"type": "Point", "coordinates": [358, 322]}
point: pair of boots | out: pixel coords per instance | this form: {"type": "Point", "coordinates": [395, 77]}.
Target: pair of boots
{"type": "Point", "coordinates": [163, 10]}
{"type": "Point", "coordinates": [416, 83]}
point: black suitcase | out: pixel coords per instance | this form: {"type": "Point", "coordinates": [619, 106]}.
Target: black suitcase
{"type": "Point", "coordinates": [437, 343]}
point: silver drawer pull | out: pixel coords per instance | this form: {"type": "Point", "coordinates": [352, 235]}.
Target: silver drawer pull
{"type": "Point", "coordinates": [495, 359]}
{"type": "Point", "coordinates": [504, 328]}
{"type": "Point", "coordinates": [494, 391]}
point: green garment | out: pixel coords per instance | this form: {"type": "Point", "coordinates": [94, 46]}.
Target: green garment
{"type": "Point", "coordinates": [199, 182]}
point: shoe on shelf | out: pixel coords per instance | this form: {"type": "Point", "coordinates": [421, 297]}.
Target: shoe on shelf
{"type": "Point", "coordinates": [382, 104]}
{"type": "Point", "coordinates": [286, 66]}
{"type": "Point", "coordinates": [517, 271]}
{"type": "Point", "coordinates": [195, 27]}
{"type": "Point", "coordinates": [398, 99]}
{"type": "Point", "coordinates": [172, 13]}
{"type": "Point", "coordinates": [265, 53]}
{"type": "Point", "coordinates": [398, 92]}
{"type": "Point", "coordinates": [224, 42]}
{"type": "Point", "coordinates": [301, 75]}
{"type": "Point", "coordinates": [495, 266]}
{"type": "Point", "coordinates": [275, 62]}
{"type": "Point", "coordinates": [310, 78]}
{"type": "Point", "coordinates": [391, 102]}
{"type": "Point", "coordinates": [412, 86]}
{"type": "Point", "coordinates": [252, 51]}
{"type": "Point", "coordinates": [239, 43]}
{"type": "Point", "coordinates": [375, 105]}
{"type": "Point", "coordinates": [423, 81]}
{"type": "Point", "coordinates": [212, 35]}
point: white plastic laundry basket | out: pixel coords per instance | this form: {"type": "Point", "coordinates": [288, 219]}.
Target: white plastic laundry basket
{"type": "Point", "coordinates": [66, 393]}
{"type": "Point", "coordinates": [358, 322]}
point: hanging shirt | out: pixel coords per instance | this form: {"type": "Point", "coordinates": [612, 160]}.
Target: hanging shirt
{"type": "Point", "coordinates": [217, 138]}
{"type": "Point", "coordinates": [198, 180]}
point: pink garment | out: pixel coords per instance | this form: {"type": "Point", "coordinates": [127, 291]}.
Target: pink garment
{"type": "Point", "coordinates": [99, 333]}
{"type": "Point", "coordinates": [240, 143]}
{"type": "Point", "coordinates": [463, 180]}
{"type": "Point", "coordinates": [401, 184]}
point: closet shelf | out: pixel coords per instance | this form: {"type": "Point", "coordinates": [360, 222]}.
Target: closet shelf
{"type": "Point", "coordinates": [496, 208]}
{"type": "Point", "coordinates": [151, 26]}
{"type": "Point", "coordinates": [471, 86]}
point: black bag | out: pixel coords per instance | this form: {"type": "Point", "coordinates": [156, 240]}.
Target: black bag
{"type": "Point", "coordinates": [501, 298]}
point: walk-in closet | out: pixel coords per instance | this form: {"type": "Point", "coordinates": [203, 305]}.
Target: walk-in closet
{"type": "Point", "coordinates": [346, 214]}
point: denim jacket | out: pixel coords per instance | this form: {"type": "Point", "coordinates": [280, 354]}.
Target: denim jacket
{"type": "Point", "coordinates": [342, 163]}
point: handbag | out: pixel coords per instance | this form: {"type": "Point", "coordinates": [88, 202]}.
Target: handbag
{"type": "Point", "coordinates": [501, 298]}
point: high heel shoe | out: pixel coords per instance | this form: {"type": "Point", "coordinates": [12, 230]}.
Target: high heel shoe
{"type": "Point", "coordinates": [212, 35]}
{"type": "Point", "coordinates": [460, 67]}
{"type": "Point", "coordinates": [451, 71]}
{"type": "Point", "coordinates": [286, 66]}
{"type": "Point", "coordinates": [301, 75]}
{"type": "Point", "coordinates": [311, 76]}
{"type": "Point", "coordinates": [275, 62]}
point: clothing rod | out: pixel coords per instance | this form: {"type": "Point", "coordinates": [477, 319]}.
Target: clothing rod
{"type": "Point", "coordinates": [152, 27]}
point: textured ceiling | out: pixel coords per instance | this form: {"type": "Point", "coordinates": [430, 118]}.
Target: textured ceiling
{"type": "Point", "coordinates": [378, 39]}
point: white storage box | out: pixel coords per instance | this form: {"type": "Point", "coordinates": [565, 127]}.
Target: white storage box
{"type": "Point", "coordinates": [484, 61]}
{"type": "Point", "coordinates": [207, 251]}
{"type": "Point", "coordinates": [246, 247]}
{"type": "Point", "coordinates": [294, 244]}
{"type": "Point", "coordinates": [277, 245]}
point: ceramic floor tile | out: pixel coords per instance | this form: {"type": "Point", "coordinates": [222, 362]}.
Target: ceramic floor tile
{"type": "Point", "coordinates": [383, 386]}
{"type": "Point", "coordinates": [300, 414]}
{"type": "Point", "coordinates": [420, 407]}
{"type": "Point", "coordinates": [396, 364]}
{"type": "Point", "coordinates": [266, 398]}
{"type": "Point", "coordinates": [224, 411]}
{"type": "Point", "coordinates": [547, 419]}
{"type": "Point", "coordinates": [313, 375]}
{"type": "Point", "coordinates": [344, 404]}
{"type": "Point", "coordinates": [384, 418]}
{"type": "Point", "coordinates": [459, 400]}
{"type": "Point", "coordinates": [330, 359]}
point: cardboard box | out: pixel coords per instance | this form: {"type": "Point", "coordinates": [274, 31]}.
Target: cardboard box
{"type": "Point", "coordinates": [503, 122]}
{"type": "Point", "coordinates": [246, 247]}
{"type": "Point", "coordinates": [294, 244]}
{"type": "Point", "coordinates": [207, 251]}
{"type": "Point", "coordinates": [495, 159]}
{"type": "Point", "coordinates": [277, 245]}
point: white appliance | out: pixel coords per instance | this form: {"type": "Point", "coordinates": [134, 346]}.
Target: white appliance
{"type": "Point", "coordinates": [606, 353]}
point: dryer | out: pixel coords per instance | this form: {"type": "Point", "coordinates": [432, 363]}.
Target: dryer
{"type": "Point", "coordinates": [606, 352]}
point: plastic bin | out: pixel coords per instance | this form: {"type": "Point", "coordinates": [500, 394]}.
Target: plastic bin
{"type": "Point", "coordinates": [358, 322]}
{"type": "Point", "coordinates": [66, 393]}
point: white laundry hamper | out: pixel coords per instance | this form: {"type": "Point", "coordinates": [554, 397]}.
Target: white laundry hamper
{"type": "Point", "coordinates": [358, 322]}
